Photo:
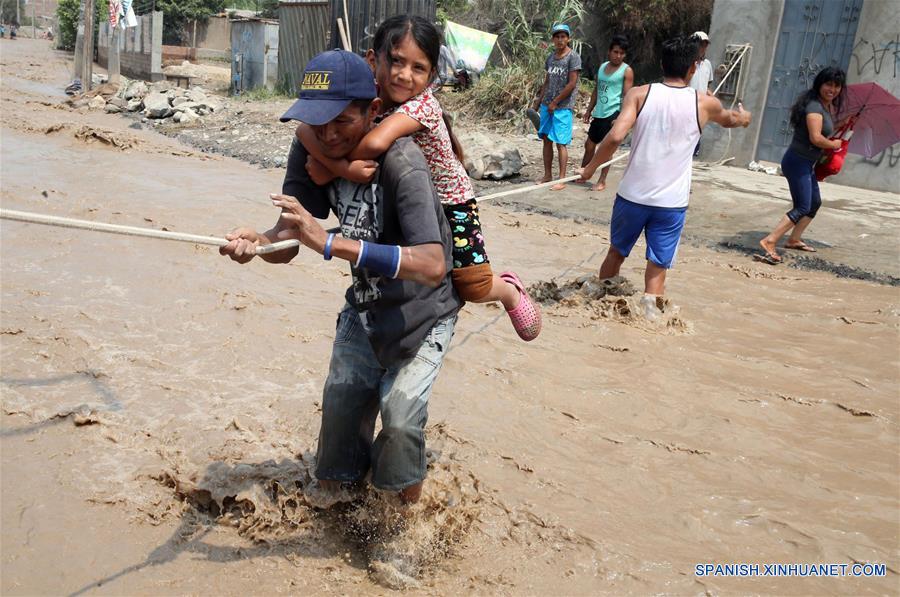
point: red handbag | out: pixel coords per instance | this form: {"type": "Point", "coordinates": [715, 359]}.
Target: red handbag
{"type": "Point", "coordinates": [833, 159]}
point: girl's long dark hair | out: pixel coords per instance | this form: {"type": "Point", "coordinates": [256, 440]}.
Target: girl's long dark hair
{"type": "Point", "coordinates": [829, 74]}
{"type": "Point", "coordinates": [392, 31]}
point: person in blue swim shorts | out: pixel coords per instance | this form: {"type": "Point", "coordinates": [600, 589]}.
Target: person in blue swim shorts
{"type": "Point", "coordinates": [653, 196]}
{"type": "Point", "coordinates": [557, 99]}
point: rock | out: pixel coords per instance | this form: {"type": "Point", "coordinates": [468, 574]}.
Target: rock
{"type": "Point", "coordinates": [97, 102]}
{"type": "Point", "coordinates": [503, 164]}
{"type": "Point", "coordinates": [172, 94]}
{"type": "Point", "coordinates": [280, 161]}
{"type": "Point", "coordinates": [196, 95]}
{"type": "Point", "coordinates": [112, 108]}
{"type": "Point", "coordinates": [135, 89]}
{"type": "Point", "coordinates": [185, 105]}
{"type": "Point", "coordinates": [179, 100]}
{"type": "Point", "coordinates": [135, 104]}
{"type": "Point", "coordinates": [156, 105]}
{"type": "Point", "coordinates": [136, 125]}
{"type": "Point", "coordinates": [161, 86]}
{"type": "Point", "coordinates": [117, 102]}
{"type": "Point", "coordinates": [486, 158]}
{"type": "Point", "coordinates": [187, 117]}
{"type": "Point", "coordinates": [475, 167]}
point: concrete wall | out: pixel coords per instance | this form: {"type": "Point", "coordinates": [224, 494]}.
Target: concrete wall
{"type": "Point", "coordinates": [876, 57]}
{"type": "Point", "coordinates": [740, 22]}
{"type": "Point", "coordinates": [140, 48]}
{"type": "Point", "coordinates": [212, 34]}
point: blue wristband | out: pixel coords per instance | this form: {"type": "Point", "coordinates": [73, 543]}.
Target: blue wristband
{"type": "Point", "coordinates": [382, 259]}
{"type": "Point", "coordinates": [327, 252]}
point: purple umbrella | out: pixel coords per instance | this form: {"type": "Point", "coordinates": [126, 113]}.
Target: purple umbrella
{"type": "Point", "coordinates": [876, 118]}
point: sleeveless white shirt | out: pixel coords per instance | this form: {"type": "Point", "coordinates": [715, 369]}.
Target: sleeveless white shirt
{"type": "Point", "coordinates": [666, 131]}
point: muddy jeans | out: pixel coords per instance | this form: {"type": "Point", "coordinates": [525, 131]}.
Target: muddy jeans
{"type": "Point", "coordinates": [358, 388]}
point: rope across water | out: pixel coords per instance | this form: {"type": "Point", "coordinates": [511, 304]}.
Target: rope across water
{"type": "Point", "coordinates": [47, 220]}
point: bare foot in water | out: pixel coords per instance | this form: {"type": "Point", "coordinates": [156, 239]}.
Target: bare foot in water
{"type": "Point", "coordinates": [600, 186]}
{"type": "Point", "coordinates": [543, 180]}
{"type": "Point", "coordinates": [558, 187]}
{"type": "Point", "coordinates": [769, 248]}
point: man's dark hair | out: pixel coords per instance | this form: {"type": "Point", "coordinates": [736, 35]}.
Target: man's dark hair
{"type": "Point", "coordinates": [361, 104]}
{"type": "Point", "coordinates": [678, 54]}
{"type": "Point", "coordinates": [619, 40]}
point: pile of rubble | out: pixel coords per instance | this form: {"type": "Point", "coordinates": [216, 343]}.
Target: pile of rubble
{"type": "Point", "coordinates": [154, 101]}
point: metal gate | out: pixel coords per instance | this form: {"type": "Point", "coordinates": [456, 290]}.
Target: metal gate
{"type": "Point", "coordinates": [814, 34]}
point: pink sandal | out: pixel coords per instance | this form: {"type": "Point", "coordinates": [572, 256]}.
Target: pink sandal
{"type": "Point", "coordinates": [526, 317]}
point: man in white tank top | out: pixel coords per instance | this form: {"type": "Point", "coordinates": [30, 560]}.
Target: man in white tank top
{"type": "Point", "coordinates": [653, 196]}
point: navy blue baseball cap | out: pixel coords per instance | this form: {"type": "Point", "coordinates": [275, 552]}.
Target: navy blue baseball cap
{"type": "Point", "coordinates": [331, 81]}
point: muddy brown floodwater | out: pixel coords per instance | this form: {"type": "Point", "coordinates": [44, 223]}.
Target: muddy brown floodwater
{"type": "Point", "coordinates": [160, 404]}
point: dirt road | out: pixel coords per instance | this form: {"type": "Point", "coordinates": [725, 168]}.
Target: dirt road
{"type": "Point", "coordinates": [160, 404]}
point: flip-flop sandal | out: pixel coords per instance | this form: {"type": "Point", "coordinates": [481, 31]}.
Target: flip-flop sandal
{"type": "Point", "coordinates": [768, 258]}
{"type": "Point", "coordinates": [801, 247]}
{"type": "Point", "coordinates": [526, 317]}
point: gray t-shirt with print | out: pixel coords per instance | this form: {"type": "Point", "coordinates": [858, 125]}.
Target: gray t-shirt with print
{"type": "Point", "coordinates": [800, 144]}
{"type": "Point", "coordinates": [558, 70]}
{"type": "Point", "coordinates": [399, 207]}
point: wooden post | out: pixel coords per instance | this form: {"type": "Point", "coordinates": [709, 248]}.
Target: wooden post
{"type": "Point", "coordinates": [79, 42]}
{"type": "Point", "coordinates": [33, 27]}
{"type": "Point", "coordinates": [87, 59]}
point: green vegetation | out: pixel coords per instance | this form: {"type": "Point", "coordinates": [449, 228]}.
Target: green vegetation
{"type": "Point", "coordinates": [524, 42]}
{"type": "Point", "coordinates": [515, 74]}
{"type": "Point", "coordinates": [264, 94]}
{"type": "Point", "coordinates": [8, 10]}
{"type": "Point", "coordinates": [648, 23]}
{"type": "Point", "coordinates": [177, 13]}
{"type": "Point", "coordinates": [67, 14]}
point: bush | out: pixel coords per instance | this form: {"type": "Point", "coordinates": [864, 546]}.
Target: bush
{"type": "Point", "coordinates": [67, 15]}
{"type": "Point", "coordinates": [177, 13]}
{"type": "Point", "coordinates": [648, 23]}
{"type": "Point", "coordinates": [524, 43]}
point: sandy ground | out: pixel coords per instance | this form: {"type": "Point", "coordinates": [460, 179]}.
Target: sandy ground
{"type": "Point", "coordinates": [160, 404]}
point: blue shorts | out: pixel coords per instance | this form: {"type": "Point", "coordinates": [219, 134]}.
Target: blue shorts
{"type": "Point", "coordinates": [556, 126]}
{"type": "Point", "coordinates": [661, 227]}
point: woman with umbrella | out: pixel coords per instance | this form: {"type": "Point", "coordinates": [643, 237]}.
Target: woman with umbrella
{"type": "Point", "coordinates": [812, 117]}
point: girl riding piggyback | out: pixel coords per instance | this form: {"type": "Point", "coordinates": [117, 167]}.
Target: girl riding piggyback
{"type": "Point", "coordinates": [405, 58]}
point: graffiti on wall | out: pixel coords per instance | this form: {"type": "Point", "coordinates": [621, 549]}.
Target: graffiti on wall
{"type": "Point", "coordinates": [890, 157]}
{"type": "Point", "coordinates": [870, 57]}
